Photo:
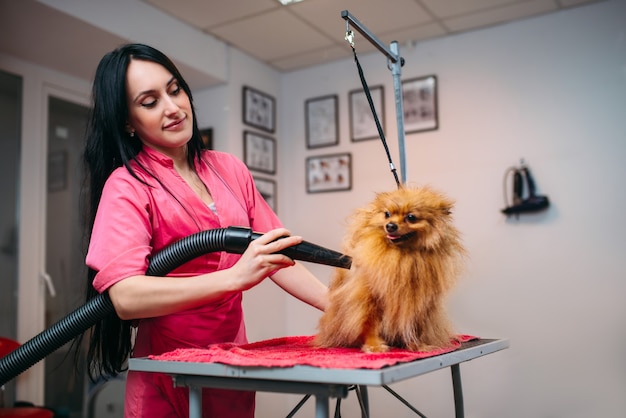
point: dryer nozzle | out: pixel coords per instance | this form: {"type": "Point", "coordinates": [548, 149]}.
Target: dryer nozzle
{"type": "Point", "coordinates": [237, 240]}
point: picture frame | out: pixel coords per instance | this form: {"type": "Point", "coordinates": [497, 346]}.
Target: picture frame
{"type": "Point", "coordinates": [267, 188]}
{"type": "Point", "coordinates": [419, 100]}
{"type": "Point", "coordinates": [362, 123]}
{"type": "Point", "coordinates": [57, 171]}
{"type": "Point", "coordinates": [322, 121]}
{"type": "Point", "coordinates": [329, 173]}
{"type": "Point", "coordinates": [259, 152]}
{"type": "Point", "coordinates": [259, 109]}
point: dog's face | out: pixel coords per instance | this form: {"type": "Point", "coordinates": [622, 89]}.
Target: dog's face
{"type": "Point", "coordinates": [411, 217]}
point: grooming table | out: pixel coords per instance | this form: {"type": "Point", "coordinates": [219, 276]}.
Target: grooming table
{"type": "Point", "coordinates": [323, 383]}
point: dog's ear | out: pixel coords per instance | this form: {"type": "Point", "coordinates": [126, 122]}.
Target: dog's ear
{"type": "Point", "coordinates": [446, 208]}
{"type": "Point", "coordinates": [446, 205]}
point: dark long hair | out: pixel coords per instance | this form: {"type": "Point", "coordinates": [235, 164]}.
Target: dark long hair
{"type": "Point", "coordinates": [107, 147]}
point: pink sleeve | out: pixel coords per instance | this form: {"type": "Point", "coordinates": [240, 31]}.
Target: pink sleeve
{"type": "Point", "coordinates": [120, 241]}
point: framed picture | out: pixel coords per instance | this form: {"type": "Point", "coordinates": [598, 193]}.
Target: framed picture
{"type": "Point", "coordinates": [322, 124]}
{"type": "Point", "coordinates": [207, 138]}
{"type": "Point", "coordinates": [259, 152]}
{"type": "Point", "coordinates": [419, 99]}
{"type": "Point", "coordinates": [328, 173]}
{"type": "Point", "coordinates": [259, 109]}
{"type": "Point", "coordinates": [57, 171]}
{"type": "Point", "coordinates": [267, 188]}
{"type": "Point", "coordinates": [362, 123]}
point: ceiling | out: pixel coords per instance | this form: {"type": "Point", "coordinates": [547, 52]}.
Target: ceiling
{"type": "Point", "coordinates": [287, 38]}
{"type": "Point", "coordinates": [312, 32]}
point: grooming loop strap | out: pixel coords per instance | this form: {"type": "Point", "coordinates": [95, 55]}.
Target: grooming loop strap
{"type": "Point", "coordinates": [350, 38]}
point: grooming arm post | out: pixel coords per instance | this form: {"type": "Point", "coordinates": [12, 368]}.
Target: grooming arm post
{"type": "Point", "coordinates": [396, 72]}
{"type": "Point", "coordinates": [395, 65]}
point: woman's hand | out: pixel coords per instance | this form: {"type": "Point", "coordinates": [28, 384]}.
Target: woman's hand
{"type": "Point", "coordinates": [260, 260]}
{"type": "Point", "coordinates": [148, 296]}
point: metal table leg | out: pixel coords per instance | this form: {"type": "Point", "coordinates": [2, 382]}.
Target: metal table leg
{"type": "Point", "coordinates": [195, 401]}
{"type": "Point", "coordinates": [364, 402]}
{"type": "Point", "coordinates": [321, 406]}
{"type": "Point", "coordinates": [458, 391]}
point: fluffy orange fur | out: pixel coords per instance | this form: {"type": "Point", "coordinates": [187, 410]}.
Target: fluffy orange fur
{"type": "Point", "coordinates": [406, 255]}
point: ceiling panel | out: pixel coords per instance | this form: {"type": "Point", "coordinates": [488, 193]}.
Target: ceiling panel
{"type": "Point", "coordinates": [311, 58]}
{"type": "Point", "coordinates": [498, 15]}
{"type": "Point", "coordinates": [272, 35]}
{"type": "Point", "coordinates": [449, 8]}
{"type": "Point", "coordinates": [287, 38]}
{"type": "Point", "coordinates": [377, 16]}
{"type": "Point", "coordinates": [207, 14]}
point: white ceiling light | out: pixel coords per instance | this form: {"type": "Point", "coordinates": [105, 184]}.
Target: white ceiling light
{"type": "Point", "coordinates": [286, 2]}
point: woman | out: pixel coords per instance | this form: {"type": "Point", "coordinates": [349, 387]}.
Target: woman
{"type": "Point", "coordinates": [151, 183]}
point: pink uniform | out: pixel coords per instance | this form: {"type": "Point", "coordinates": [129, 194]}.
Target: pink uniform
{"type": "Point", "coordinates": [135, 221]}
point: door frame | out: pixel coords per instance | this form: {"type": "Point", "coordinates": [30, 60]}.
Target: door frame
{"type": "Point", "coordinates": [38, 84]}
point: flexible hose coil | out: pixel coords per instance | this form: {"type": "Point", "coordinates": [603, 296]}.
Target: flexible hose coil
{"type": "Point", "coordinates": [231, 239]}
{"type": "Point", "coordinates": [87, 315]}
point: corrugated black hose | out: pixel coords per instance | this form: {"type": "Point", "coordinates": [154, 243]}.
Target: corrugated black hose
{"type": "Point", "coordinates": [232, 239]}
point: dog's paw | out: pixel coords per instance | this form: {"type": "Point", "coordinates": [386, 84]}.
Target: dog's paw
{"type": "Point", "coordinates": [379, 348]}
{"type": "Point", "coordinates": [375, 348]}
{"type": "Point", "coordinates": [374, 344]}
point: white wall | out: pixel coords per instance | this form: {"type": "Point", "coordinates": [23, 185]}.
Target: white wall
{"type": "Point", "coordinates": [550, 90]}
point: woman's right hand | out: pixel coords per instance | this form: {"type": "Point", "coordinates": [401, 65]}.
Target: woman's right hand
{"type": "Point", "coordinates": [261, 258]}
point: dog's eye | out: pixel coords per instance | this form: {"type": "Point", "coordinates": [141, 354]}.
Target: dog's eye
{"type": "Point", "coordinates": [387, 214]}
{"type": "Point", "coordinates": [411, 218]}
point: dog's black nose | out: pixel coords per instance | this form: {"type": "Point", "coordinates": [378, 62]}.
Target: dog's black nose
{"type": "Point", "coordinates": [391, 227]}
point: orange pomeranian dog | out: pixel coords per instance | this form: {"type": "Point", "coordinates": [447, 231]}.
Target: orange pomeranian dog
{"type": "Point", "coordinates": [406, 255]}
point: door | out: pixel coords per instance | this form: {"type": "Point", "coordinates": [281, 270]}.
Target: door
{"type": "Point", "coordinates": [10, 123]}
{"type": "Point", "coordinates": [65, 251]}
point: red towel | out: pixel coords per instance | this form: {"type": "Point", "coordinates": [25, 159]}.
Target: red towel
{"type": "Point", "coordinates": [293, 351]}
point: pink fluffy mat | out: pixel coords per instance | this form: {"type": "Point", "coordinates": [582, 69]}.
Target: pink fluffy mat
{"type": "Point", "coordinates": [298, 350]}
